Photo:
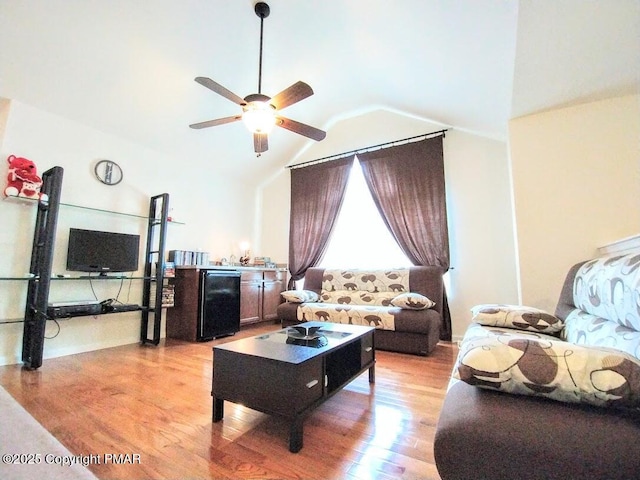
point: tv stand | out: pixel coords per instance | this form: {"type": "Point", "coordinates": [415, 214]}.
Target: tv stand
{"type": "Point", "coordinates": [39, 277]}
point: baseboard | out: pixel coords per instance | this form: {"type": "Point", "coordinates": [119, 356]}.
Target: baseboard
{"type": "Point", "coordinates": [69, 350]}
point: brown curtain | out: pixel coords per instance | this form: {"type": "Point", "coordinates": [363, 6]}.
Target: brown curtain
{"type": "Point", "coordinates": [407, 185]}
{"type": "Point", "coordinates": [317, 192]}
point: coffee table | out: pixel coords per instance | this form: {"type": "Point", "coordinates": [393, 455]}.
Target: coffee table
{"type": "Point", "coordinates": [288, 373]}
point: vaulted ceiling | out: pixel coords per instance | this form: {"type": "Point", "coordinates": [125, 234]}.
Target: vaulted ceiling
{"type": "Point", "coordinates": [127, 67]}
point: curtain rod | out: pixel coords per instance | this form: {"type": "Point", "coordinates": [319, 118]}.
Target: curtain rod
{"type": "Point", "coordinates": [380, 146]}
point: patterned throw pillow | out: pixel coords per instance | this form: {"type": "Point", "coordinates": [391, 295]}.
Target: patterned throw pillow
{"type": "Point", "coordinates": [609, 287]}
{"type": "Point", "coordinates": [516, 316]}
{"type": "Point", "coordinates": [300, 296]}
{"type": "Point", "coordinates": [412, 301]}
{"type": "Point", "coordinates": [562, 371]}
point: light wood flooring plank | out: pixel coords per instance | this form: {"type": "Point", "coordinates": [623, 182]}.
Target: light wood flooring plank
{"type": "Point", "coordinates": [156, 402]}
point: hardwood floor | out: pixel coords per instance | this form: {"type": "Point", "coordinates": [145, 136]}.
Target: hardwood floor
{"type": "Point", "coordinates": [155, 402]}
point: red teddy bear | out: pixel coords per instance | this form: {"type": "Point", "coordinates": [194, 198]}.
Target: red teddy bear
{"type": "Point", "coordinates": [22, 179]}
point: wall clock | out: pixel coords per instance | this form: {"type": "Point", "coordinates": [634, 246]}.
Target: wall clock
{"type": "Point", "coordinates": [108, 172]}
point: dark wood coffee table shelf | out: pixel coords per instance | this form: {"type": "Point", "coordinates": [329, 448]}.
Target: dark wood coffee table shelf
{"type": "Point", "coordinates": [288, 377]}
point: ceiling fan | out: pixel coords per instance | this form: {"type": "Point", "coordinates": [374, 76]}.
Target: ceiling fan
{"type": "Point", "coordinates": [260, 112]}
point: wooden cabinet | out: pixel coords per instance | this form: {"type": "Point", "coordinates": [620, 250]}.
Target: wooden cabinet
{"type": "Point", "coordinates": [260, 294]}
{"type": "Point", "coordinates": [274, 283]}
{"type": "Point", "coordinates": [250, 296]}
{"type": "Point", "coordinates": [259, 299]}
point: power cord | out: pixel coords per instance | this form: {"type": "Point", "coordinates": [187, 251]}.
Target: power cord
{"type": "Point", "coordinates": [119, 290]}
{"type": "Point", "coordinates": [57, 325]}
{"type": "Point", "coordinates": [116, 298]}
{"type": "Point", "coordinates": [92, 290]}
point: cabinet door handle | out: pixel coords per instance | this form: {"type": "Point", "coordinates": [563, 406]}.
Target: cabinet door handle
{"type": "Point", "coordinates": [312, 383]}
{"type": "Point", "coordinates": [368, 349]}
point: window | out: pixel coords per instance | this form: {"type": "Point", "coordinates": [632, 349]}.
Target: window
{"type": "Point", "coordinates": [360, 238]}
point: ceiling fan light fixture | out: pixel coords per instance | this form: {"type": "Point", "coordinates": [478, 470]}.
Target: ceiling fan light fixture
{"type": "Point", "coordinates": [261, 112]}
{"type": "Point", "coordinates": [259, 117]}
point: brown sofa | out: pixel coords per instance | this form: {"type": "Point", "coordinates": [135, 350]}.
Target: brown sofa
{"type": "Point", "coordinates": [486, 434]}
{"type": "Point", "coordinates": [415, 331]}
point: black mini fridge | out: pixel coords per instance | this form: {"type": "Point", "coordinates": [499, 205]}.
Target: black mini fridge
{"type": "Point", "coordinates": [219, 304]}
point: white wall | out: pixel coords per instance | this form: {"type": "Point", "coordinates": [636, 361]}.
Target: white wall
{"type": "Point", "coordinates": [576, 180]}
{"type": "Point", "coordinates": [217, 213]}
{"type": "Point", "coordinates": [5, 106]}
{"type": "Point", "coordinates": [478, 204]}
{"type": "Point", "coordinates": [481, 229]}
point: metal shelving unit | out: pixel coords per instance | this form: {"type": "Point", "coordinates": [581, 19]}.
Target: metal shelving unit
{"type": "Point", "coordinates": [156, 236]}
{"type": "Point", "coordinates": [35, 314]}
{"type": "Point", "coordinates": [39, 277]}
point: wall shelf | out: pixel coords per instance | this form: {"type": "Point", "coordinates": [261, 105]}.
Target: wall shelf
{"type": "Point", "coordinates": [622, 246]}
{"type": "Point", "coordinates": [7, 321]}
{"type": "Point", "coordinates": [34, 201]}
{"type": "Point", "coordinates": [83, 278]}
{"type": "Point", "coordinates": [40, 275]}
{"type": "Point", "coordinates": [99, 278]}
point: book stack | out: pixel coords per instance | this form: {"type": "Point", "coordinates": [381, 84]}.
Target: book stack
{"type": "Point", "coordinates": [168, 293]}
{"type": "Point", "coordinates": [261, 261]}
{"type": "Point", "coordinates": [188, 257]}
{"type": "Point", "coordinates": [169, 270]}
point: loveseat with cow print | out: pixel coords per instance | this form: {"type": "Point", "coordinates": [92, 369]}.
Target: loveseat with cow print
{"type": "Point", "coordinates": [404, 305]}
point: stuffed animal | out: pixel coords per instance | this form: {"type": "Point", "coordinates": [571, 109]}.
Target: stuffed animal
{"type": "Point", "coordinates": [23, 179]}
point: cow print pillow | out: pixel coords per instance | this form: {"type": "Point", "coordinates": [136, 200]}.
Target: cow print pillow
{"type": "Point", "coordinates": [562, 371]}
{"type": "Point", "coordinates": [412, 301]}
{"type": "Point", "coordinates": [299, 296]}
{"type": "Point", "coordinates": [516, 316]}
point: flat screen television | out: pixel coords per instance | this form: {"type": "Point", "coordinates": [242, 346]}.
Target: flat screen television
{"type": "Point", "coordinates": [96, 251]}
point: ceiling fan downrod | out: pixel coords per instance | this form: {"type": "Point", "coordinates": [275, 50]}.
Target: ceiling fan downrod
{"type": "Point", "coordinates": [262, 10]}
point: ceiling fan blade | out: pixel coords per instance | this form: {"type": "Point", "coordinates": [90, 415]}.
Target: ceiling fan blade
{"type": "Point", "coordinates": [213, 123]}
{"type": "Point", "coordinates": [220, 90]}
{"type": "Point", "coordinates": [260, 143]}
{"type": "Point", "coordinates": [290, 95]}
{"type": "Point", "coordinates": [301, 128]}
